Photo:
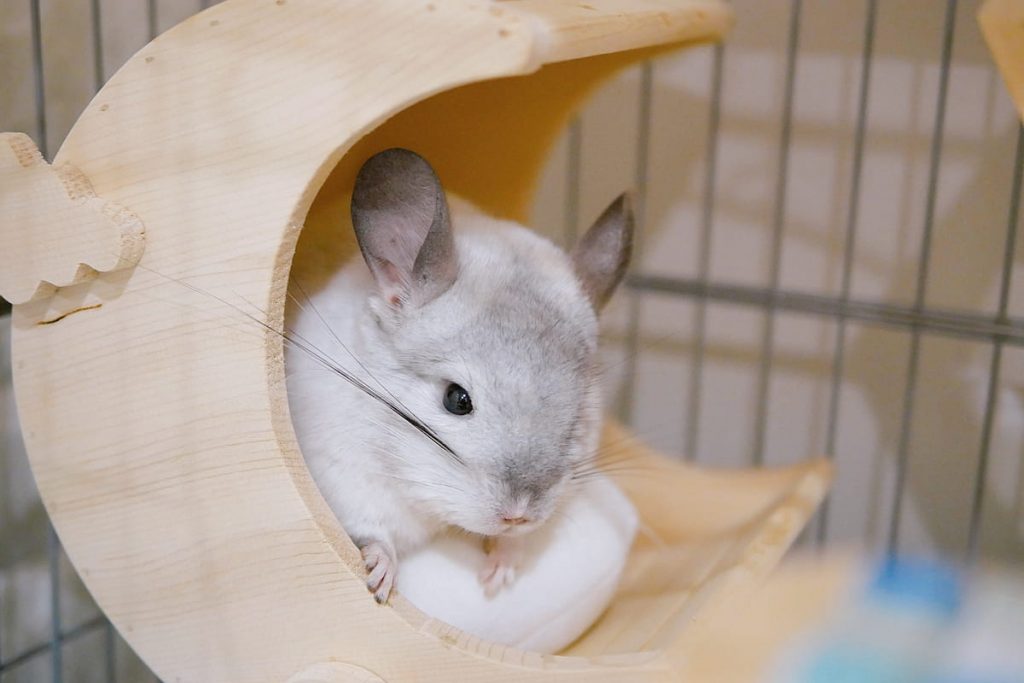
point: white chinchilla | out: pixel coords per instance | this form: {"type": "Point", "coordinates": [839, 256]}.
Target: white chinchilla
{"type": "Point", "coordinates": [474, 341]}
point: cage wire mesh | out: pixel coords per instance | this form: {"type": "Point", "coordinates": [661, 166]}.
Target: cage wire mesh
{"type": "Point", "coordinates": [829, 208]}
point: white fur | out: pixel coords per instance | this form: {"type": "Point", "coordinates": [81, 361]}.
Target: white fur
{"type": "Point", "coordinates": [385, 481]}
{"type": "Point", "coordinates": [571, 571]}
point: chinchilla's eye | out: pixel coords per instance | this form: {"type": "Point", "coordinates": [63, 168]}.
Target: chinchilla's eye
{"type": "Point", "coordinates": [457, 400]}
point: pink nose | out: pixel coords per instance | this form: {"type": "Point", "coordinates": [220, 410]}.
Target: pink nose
{"type": "Point", "coordinates": [515, 521]}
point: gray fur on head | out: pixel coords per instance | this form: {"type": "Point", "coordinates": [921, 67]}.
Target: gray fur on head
{"type": "Point", "coordinates": [495, 309]}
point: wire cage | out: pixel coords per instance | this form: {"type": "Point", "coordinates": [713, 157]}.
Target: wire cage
{"type": "Point", "coordinates": [829, 207]}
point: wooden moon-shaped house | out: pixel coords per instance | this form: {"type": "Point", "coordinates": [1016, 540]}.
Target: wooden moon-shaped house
{"type": "Point", "coordinates": [155, 413]}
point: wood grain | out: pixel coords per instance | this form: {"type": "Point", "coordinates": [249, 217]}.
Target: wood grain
{"type": "Point", "coordinates": [54, 230]}
{"type": "Point", "coordinates": [1002, 23]}
{"type": "Point", "coordinates": [591, 27]}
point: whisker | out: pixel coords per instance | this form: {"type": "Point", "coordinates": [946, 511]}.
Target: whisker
{"type": "Point", "coordinates": [351, 355]}
{"type": "Point", "coordinates": [296, 341]}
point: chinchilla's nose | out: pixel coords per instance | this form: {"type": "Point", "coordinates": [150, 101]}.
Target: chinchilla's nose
{"type": "Point", "coordinates": [515, 521]}
{"type": "Point", "coordinates": [515, 513]}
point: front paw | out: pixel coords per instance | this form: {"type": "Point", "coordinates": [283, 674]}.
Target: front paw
{"type": "Point", "coordinates": [381, 567]}
{"type": "Point", "coordinates": [504, 557]}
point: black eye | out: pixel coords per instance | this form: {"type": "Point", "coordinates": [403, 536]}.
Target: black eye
{"type": "Point", "coordinates": [457, 400]}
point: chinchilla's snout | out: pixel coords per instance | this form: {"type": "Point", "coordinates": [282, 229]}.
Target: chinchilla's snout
{"type": "Point", "coordinates": [528, 494]}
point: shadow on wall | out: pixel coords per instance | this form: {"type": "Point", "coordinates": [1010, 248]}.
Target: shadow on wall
{"type": "Point", "coordinates": [964, 267]}
{"type": "Point", "coordinates": [949, 407]}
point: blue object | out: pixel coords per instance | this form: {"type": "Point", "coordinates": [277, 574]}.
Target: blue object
{"type": "Point", "coordinates": [916, 622]}
{"type": "Point", "coordinates": [842, 663]}
{"type": "Point", "coordinates": [917, 584]}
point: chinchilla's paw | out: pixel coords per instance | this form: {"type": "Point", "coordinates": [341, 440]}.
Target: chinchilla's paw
{"type": "Point", "coordinates": [381, 567]}
{"type": "Point", "coordinates": [504, 557]}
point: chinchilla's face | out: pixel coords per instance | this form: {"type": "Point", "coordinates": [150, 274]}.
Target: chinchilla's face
{"type": "Point", "coordinates": [487, 341]}
{"type": "Point", "coordinates": [504, 371]}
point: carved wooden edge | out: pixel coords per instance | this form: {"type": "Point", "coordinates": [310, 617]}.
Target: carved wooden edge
{"type": "Point", "coordinates": [54, 230]}
{"type": "Point", "coordinates": [572, 29]}
{"type": "Point", "coordinates": [334, 672]}
{"type": "Point", "coordinates": [1002, 24]}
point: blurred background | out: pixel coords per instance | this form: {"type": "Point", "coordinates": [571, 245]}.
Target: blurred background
{"type": "Point", "coordinates": [829, 264]}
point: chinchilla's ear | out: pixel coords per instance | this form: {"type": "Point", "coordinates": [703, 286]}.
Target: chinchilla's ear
{"type": "Point", "coordinates": [400, 216]}
{"type": "Point", "coordinates": [601, 256]}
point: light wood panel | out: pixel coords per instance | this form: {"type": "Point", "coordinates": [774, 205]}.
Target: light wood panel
{"type": "Point", "coordinates": [55, 230]}
{"type": "Point", "coordinates": [1002, 22]}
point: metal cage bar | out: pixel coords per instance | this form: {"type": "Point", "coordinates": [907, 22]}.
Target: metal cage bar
{"type": "Point", "coordinates": [97, 44]}
{"type": "Point", "coordinates": [68, 636]}
{"type": "Point", "coordinates": [1008, 331]}
{"type": "Point", "coordinates": [56, 654]}
{"type": "Point", "coordinates": [151, 18]}
{"type": "Point", "coordinates": [923, 266]}
{"type": "Point", "coordinates": [58, 635]}
{"type": "Point", "coordinates": [995, 367]}
{"type": "Point", "coordinates": [849, 244]}
{"type": "Point", "coordinates": [37, 65]}
{"type": "Point", "coordinates": [643, 145]}
{"type": "Point", "coordinates": [572, 181]}
{"type": "Point", "coordinates": [704, 253]}
{"type": "Point", "coordinates": [778, 226]}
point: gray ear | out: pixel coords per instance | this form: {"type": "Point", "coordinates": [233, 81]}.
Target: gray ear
{"type": "Point", "coordinates": [400, 216]}
{"type": "Point", "coordinates": [601, 256]}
